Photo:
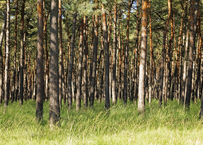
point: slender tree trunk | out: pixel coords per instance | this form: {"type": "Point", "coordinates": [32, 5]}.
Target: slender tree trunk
{"type": "Point", "coordinates": [71, 62]}
{"type": "Point", "coordinates": [114, 97]}
{"type": "Point", "coordinates": [6, 73]}
{"type": "Point", "coordinates": [79, 81]}
{"type": "Point", "coordinates": [126, 56]}
{"type": "Point", "coordinates": [40, 70]}
{"type": "Point", "coordinates": [54, 108]}
{"type": "Point", "coordinates": [60, 55]}
{"type": "Point", "coordinates": [136, 53]}
{"type": "Point", "coordinates": [151, 54]}
{"type": "Point", "coordinates": [85, 79]}
{"type": "Point", "coordinates": [141, 99]}
{"type": "Point", "coordinates": [162, 92]}
{"type": "Point", "coordinates": [15, 49]}
{"type": "Point", "coordinates": [106, 49]}
{"type": "Point", "coordinates": [1, 58]}
{"type": "Point", "coordinates": [193, 17]}
{"type": "Point", "coordinates": [22, 53]}
{"type": "Point", "coordinates": [94, 64]}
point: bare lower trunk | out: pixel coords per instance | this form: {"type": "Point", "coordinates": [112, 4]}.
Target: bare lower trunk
{"type": "Point", "coordinates": [79, 80]}
{"type": "Point", "coordinates": [54, 108]}
{"type": "Point", "coordinates": [141, 99]}
{"type": "Point", "coordinates": [71, 62]}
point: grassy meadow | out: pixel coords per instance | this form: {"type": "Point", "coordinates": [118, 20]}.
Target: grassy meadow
{"type": "Point", "coordinates": [121, 125]}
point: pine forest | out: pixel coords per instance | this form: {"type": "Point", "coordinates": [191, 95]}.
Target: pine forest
{"type": "Point", "coordinates": [101, 72]}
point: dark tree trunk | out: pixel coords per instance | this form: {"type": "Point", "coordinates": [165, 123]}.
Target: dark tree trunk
{"type": "Point", "coordinates": [94, 64]}
{"type": "Point", "coordinates": [79, 81]}
{"type": "Point", "coordinates": [22, 53]}
{"type": "Point", "coordinates": [193, 22]}
{"type": "Point", "coordinates": [71, 62]}
{"type": "Point", "coordinates": [54, 108]}
{"type": "Point", "coordinates": [40, 70]}
{"type": "Point", "coordinates": [106, 49]}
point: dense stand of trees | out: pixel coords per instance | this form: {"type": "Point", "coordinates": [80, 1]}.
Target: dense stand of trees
{"type": "Point", "coordinates": [111, 53]}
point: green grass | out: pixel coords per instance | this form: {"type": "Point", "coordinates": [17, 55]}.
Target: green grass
{"type": "Point", "coordinates": [166, 125]}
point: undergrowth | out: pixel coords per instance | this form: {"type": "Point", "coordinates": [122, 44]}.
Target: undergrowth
{"type": "Point", "coordinates": [169, 124]}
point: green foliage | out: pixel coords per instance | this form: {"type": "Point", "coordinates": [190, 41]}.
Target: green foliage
{"type": "Point", "coordinates": [165, 125]}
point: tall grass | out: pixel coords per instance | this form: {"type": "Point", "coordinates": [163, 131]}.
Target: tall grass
{"type": "Point", "coordinates": [169, 124]}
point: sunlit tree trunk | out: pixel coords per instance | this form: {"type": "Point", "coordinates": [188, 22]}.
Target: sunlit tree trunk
{"type": "Point", "coordinates": [1, 58]}
{"type": "Point", "coordinates": [114, 98]}
{"type": "Point", "coordinates": [185, 56]}
{"type": "Point", "coordinates": [151, 54]}
{"type": "Point", "coordinates": [60, 54]}
{"type": "Point", "coordinates": [141, 98]}
{"type": "Point", "coordinates": [40, 70]}
{"type": "Point", "coordinates": [6, 73]}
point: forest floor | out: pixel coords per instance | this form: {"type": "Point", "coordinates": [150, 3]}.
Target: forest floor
{"type": "Point", "coordinates": [122, 125]}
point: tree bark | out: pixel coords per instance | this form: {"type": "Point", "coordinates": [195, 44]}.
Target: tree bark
{"type": "Point", "coordinates": [54, 108]}
{"type": "Point", "coordinates": [141, 99]}
{"type": "Point", "coordinates": [71, 62]}
{"type": "Point", "coordinates": [193, 22]}
{"type": "Point", "coordinates": [79, 81]}
{"type": "Point", "coordinates": [106, 49]}
{"type": "Point", "coordinates": [1, 58]}
{"type": "Point", "coordinates": [40, 70]}
{"type": "Point", "coordinates": [60, 55]}
{"type": "Point", "coordinates": [22, 53]}
{"type": "Point", "coordinates": [114, 97]}
{"type": "Point", "coordinates": [6, 73]}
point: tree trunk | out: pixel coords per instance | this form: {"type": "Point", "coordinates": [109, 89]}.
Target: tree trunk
{"type": "Point", "coordinates": [22, 53]}
{"type": "Point", "coordinates": [6, 73]}
{"type": "Point", "coordinates": [193, 17]}
{"type": "Point", "coordinates": [114, 98]}
{"type": "Point", "coordinates": [151, 54]}
{"type": "Point", "coordinates": [71, 62]}
{"type": "Point", "coordinates": [60, 55]}
{"type": "Point", "coordinates": [1, 58]}
{"type": "Point", "coordinates": [141, 99]}
{"type": "Point", "coordinates": [126, 56]}
{"type": "Point", "coordinates": [79, 81]}
{"type": "Point", "coordinates": [106, 49]}
{"type": "Point", "coordinates": [40, 70]}
{"type": "Point", "coordinates": [85, 79]}
{"type": "Point", "coordinates": [94, 64]}
{"type": "Point", "coordinates": [54, 108]}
